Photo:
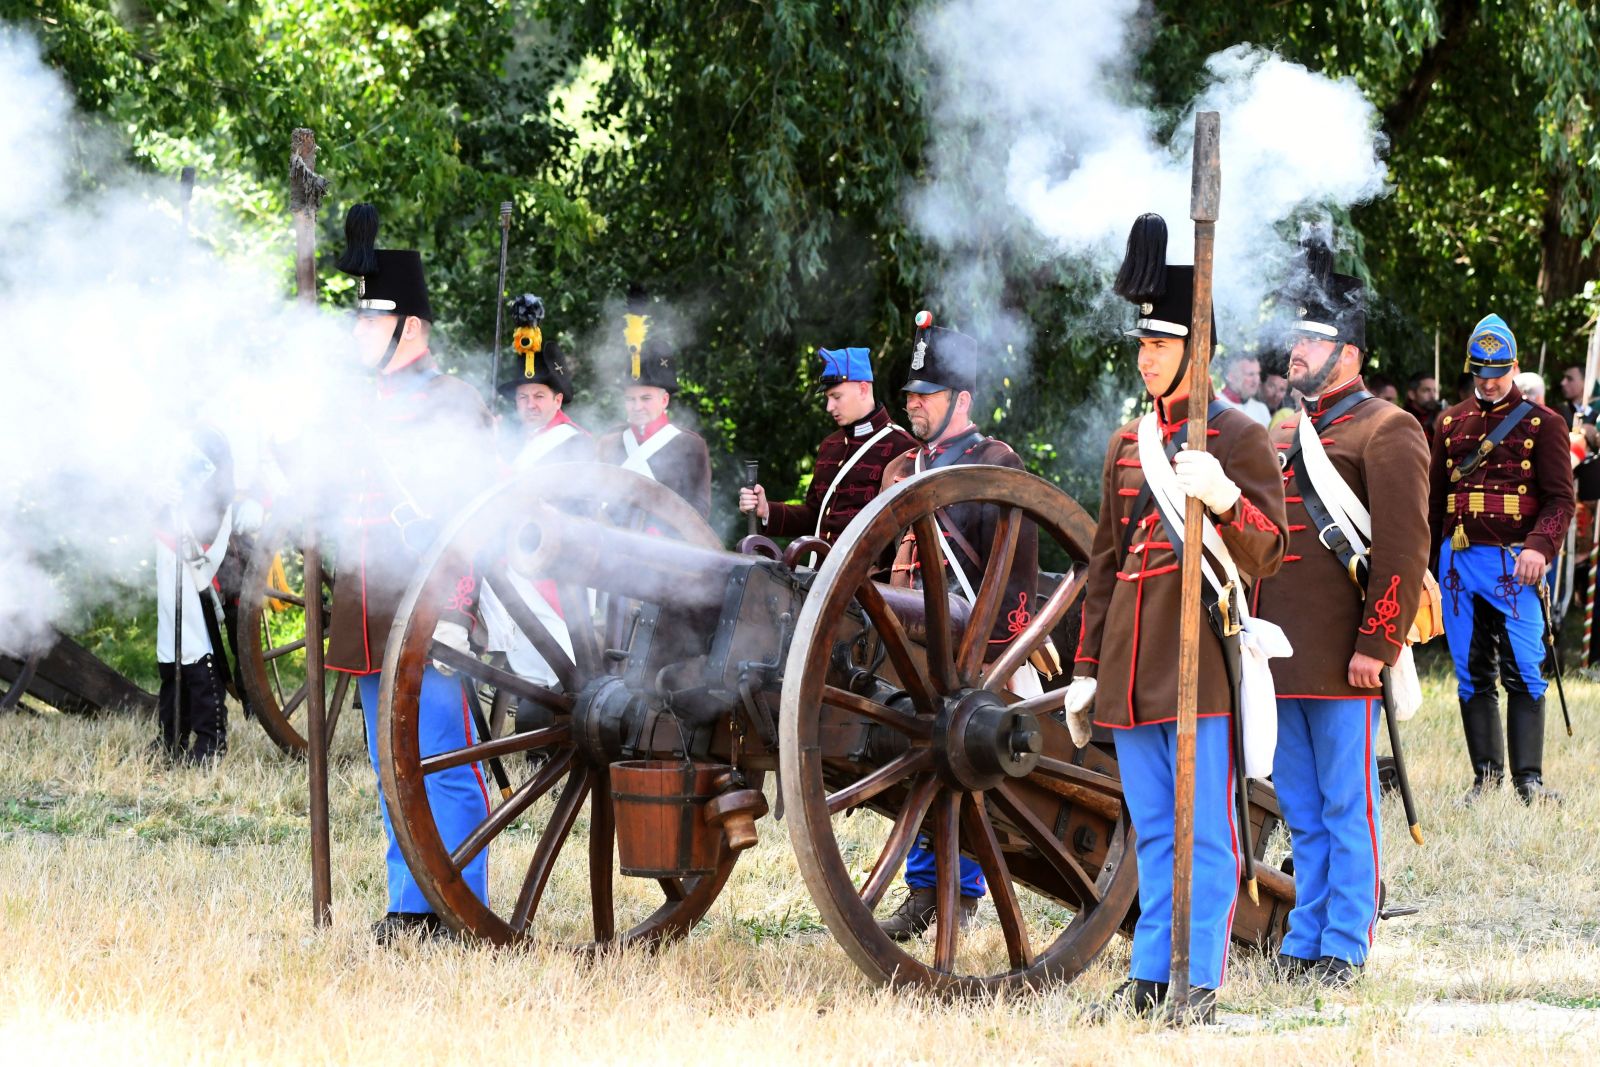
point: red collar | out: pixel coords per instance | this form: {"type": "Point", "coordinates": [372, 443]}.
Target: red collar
{"type": "Point", "coordinates": [558, 419]}
{"type": "Point", "coordinates": [651, 428]}
{"type": "Point", "coordinates": [1331, 397]}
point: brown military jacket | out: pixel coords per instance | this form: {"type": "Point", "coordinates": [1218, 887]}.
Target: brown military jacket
{"type": "Point", "coordinates": [975, 525]}
{"type": "Point", "coordinates": [427, 453]}
{"type": "Point", "coordinates": [1129, 639]}
{"type": "Point", "coordinates": [1521, 494]}
{"type": "Point", "coordinates": [1380, 452]}
{"type": "Point", "coordinates": [684, 465]}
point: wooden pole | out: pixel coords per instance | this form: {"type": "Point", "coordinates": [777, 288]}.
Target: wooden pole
{"type": "Point", "coordinates": [1436, 380]}
{"type": "Point", "coordinates": [317, 744]}
{"type": "Point", "coordinates": [306, 189]}
{"type": "Point", "coordinates": [500, 299]}
{"type": "Point", "coordinates": [1204, 200]}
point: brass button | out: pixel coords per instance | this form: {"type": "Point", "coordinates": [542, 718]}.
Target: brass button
{"type": "Point", "coordinates": [1527, 465]}
{"type": "Point", "coordinates": [1522, 489]}
{"type": "Point", "coordinates": [1448, 419]}
{"type": "Point", "coordinates": [1535, 421]}
{"type": "Point", "coordinates": [1527, 442]}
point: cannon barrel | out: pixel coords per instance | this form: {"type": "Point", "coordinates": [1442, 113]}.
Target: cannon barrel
{"type": "Point", "coordinates": [646, 566]}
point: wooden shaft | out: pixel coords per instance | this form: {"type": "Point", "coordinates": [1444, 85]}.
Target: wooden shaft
{"type": "Point", "coordinates": [317, 745]}
{"type": "Point", "coordinates": [303, 205]}
{"type": "Point", "coordinates": [1594, 587]}
{"type": "Point", "coordinates": [500, 299]}
{"type": "Point", "coordinates": [1205, 198]}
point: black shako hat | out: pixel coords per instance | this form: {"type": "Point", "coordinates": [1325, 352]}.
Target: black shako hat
{"type": "Point", "coordinates": [390, 280]}
{"type": "Point", "coordinates": [537, 361]}
{"type": "Point", "coordinates": [1162, 294]}
{"type": "Point", "coordinates": [941, 359]}
{"type": "Point", "coordinates": [650, 358]}
{"type": "Point", "coordinates": [1325, 305]}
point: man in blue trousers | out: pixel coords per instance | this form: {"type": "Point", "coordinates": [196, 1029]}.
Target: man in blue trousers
{"type": "Point", "coordinates": [1499, 504]}
{"type": "Point", "coordinates": [1355, 476]}
{"type": "Point", "coordinates": [1125, 679]}
{"type": "Point", "coordinates": [425, 436]}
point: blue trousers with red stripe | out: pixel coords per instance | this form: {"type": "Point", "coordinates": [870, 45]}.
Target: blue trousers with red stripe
{"type": "Point", "coordinates": [920, 871]}
{"type": "Point", "coordinates": [457, 796]}
{"type": "Point", "coordinates": [1147, 759]}
{"type": "Point", "coordinates": [1326, 774]}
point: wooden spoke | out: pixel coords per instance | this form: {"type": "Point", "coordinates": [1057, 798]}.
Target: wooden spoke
{"type": "Point", "coordinates": [1033, 635]}
{"type": "Point", "coordinates": [525, 620]}
{"type": "Point", "coordinates": [674, 888]}
{"type": "Point", "coordinates": [580, 628]}
{"type": "Point", "coordinates": [515, 805]}
{"type": "Point", "coordinates": [899, 842]}
{"type": "Point", "coordinates": [936, 603]}
{"type": "Point", "coordinates": [1054, 851]}
{"type": "Point", "coordinates": [341, 692]}
{"type": "Point", "coordinates": [947, 879]}
{"type": "Point", "coordinates": [286, 596]}
{"type": "Point", "coordinates": [907, 763]}
{"type": "Point", "coordinates": [296, 698]}
{"type": "Point", "coordinates": [502, 680]}
{"type": "Point", "coordinates": [602, 838]}
{"type": "Point", "coordinates": [499, 708]}
{"type": "Point", "coordinates": [283, 650]}
{"type": "Point", "coordinates": [898, 646]}
{"type": "Point", "coordinates": [561, 733]}
{"type": "Point", "coordinates": [549, 847]}
{"type": "Point", "coordinates": [991, 596]}
{"type": "Point", "coordinates": [986, 847]}
{"type": "Point", "coordinates": [906, 724]}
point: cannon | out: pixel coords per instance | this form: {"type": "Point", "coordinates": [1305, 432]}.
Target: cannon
{"type": "Point", "coordinates": [689, 673]}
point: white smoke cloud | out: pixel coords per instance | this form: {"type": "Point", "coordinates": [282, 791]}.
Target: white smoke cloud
{"type": "Point", "coordinates": [1043, 145]}
{"type": "Point", "coordinates": [121, 333]}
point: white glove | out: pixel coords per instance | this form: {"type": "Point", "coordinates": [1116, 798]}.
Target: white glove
{"type": "Point", "coordinates": [248, 516]}
{"type": "Point", "coordinates": [451, 635]}
{"type": "Point", "coordinates": [1200, 476]}
{"type": "Point", "coordinates": [1079, 705]}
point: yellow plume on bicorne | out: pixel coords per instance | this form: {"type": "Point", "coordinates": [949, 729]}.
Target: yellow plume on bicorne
{"type": "Point", "coordinates": [634, 329]}
{"type": "Point", "coordinates": [529, 340]}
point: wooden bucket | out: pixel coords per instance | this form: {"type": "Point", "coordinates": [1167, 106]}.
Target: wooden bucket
{"type": "Point", "coordinates": [662, 830]}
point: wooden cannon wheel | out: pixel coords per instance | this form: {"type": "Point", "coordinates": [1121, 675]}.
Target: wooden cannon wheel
{"type": "Point", "coordinates": [1052, 843]}
{"type": "Point", "coordinates": [272, 640]}
{"type": "Point", "coordinates": [534, 865]}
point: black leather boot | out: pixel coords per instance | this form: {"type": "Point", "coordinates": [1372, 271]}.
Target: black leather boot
{"type": "Point", "coordinates": [208, 710]}
{"type": "Point", "coordinates": [1525, 734]}
{"type": "Point", "coordinates": [1480, 719]}
{"type": "Point", "coordinates": [1136, 997]}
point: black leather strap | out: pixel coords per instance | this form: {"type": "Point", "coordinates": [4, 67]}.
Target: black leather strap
{"type": "Point", "coordinates": [1142, 502]}
{"type": "Point", "coordinates": [1485, 446]}
{"type": "Point", "coordinates": [1328, 532]}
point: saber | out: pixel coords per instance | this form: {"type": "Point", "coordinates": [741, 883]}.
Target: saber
{"type": "Point", "coordinates": [1555, 652]}
{"type": "Point", "coordinates": [1402, 779]}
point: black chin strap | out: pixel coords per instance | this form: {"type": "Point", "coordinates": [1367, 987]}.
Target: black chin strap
{"type": "Point", "coordinates": [394, 345]}
{"type": "Point", "coordinates": [1183, 372]}
{"type": "Point", "coordinates": [944, 424]}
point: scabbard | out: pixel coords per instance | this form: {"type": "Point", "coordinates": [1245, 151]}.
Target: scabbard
{"type": "Point", "coordinates": [1401, 779]}
{"type": "Point", "coordinates": [1232, 658]}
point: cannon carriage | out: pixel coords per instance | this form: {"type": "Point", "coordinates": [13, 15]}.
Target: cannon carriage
{"type": "Point", "coordinates": [686, 674]}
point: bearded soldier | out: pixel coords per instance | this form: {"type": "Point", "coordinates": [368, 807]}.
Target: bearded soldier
{"type": "Point", "coordinates": [850, 462]}
{"type": "Point", "coordinates": [541, 387]}
{"type": "Point", "coordinates": [1499, 503]}
{"type": "Point", "coordinates": [1355, 472]}
{"type": "Point", "coordinates": [938, 396]}
{"type": "Point", "coordinates": [1129, 637]}
{"type": "Point", "coordinates": [650, 444]}
{"type": "Point", "coordinates": [425, 446]}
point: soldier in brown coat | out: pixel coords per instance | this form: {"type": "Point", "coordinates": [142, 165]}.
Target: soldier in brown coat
{"type": "Point", "coordinates": [1125, 668]}
{"type": "Point", "coordinates": [938, 394]}
{"type": "Point", "coordinates": [1345, 598]}
{"type": "Point", "coordinates": [426, 444]}
{"type": "Point", "coordinates": [650, 444]}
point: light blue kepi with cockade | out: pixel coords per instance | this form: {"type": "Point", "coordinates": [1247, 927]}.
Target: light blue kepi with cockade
{"type": "Point", "coordinates": [1493, 348]}
{"type": "Point", "coordinates": [844, 365]}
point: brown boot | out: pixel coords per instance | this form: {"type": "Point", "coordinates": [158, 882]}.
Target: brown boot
{"type": "Point", "coordinates": [918, 910]}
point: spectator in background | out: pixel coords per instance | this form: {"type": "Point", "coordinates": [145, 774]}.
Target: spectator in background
{"type": "Point", "coordinates": [1465, 385]}
{"type": "Point", "coordinates": [1572, 399]}
{"type": "Point", "coordinates": [1383, 387]}
{"type": "Point", "coordinates": [1243, 378]}
{"type": "Point", "coordinates": [1532, 386]}
{"type": "Point", "coordinates": [1274, 388]}
{"type": "Point", "coordinates": [1422, 401]}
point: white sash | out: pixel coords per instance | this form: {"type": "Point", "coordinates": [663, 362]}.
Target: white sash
{"type": "Point", "coordinates": [944, 547]}
{"type": "Point", "coordinates": [844, 469]}
{"type": "Point", "coordinates": [200, 570]}
{"type": "Point", "coordinates": [639, 455]}
{"type": "Point", "coordinates": [545, 443]}
{"type": "Point", "coordinates": [503, 635]}
{"type": "Point", "coordinates": [1259, 640]}
{"type": "Point", "coordinates": [1355, 522]}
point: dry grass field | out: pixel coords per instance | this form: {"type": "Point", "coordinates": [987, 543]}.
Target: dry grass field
{"type": "Point", "coordinates": [151, 915]}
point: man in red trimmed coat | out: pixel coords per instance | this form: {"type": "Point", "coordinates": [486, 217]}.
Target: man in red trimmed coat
{"type": "Point", "coordinates": [1345, 598]}
{"type": "Point", "coordinates": [540, 388]}
{"type": "Point", "coordinates": [1125, 677]}
{"type": "Point", "coordinates": [850, 461]}
{"type": "Point", "coordinates": [426, 444]}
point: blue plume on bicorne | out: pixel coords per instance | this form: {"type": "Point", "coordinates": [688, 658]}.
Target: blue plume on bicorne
{"type": "Point", "coordinates": [360, 256]}
{"type": "Point", "coordinates": [527, 310]}
{"type": "Point", "coordinates": [1143, 276]}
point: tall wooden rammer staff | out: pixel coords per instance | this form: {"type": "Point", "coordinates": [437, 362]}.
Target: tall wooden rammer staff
{"type": "Point", "coordinates": [306, 189]}
{"type": "Point", "coordinates": [1204, 200]}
